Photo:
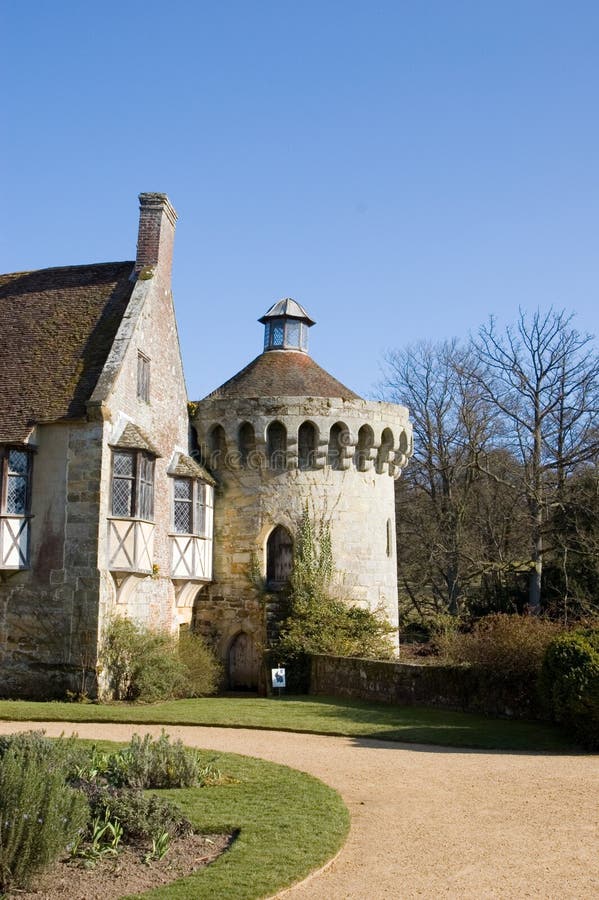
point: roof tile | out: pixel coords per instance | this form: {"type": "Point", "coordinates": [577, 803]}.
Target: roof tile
{"type": "Point", "coordinates": [56, 329]}
{"type": "Point", "coordinates": [282, 373]}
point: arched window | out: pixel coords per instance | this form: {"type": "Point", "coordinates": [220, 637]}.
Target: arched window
{"type": "Point", "coordinates": [307, 441]}
{"type": "Point", "coordinates": [276, 445]}
{"type": "Point", "coordinates": [247, 443]}
{"type": "Point", "coordinates": [338, 439]}
{"type": "Point", "coordinates": [365, 442]}
{"type": "Point", "coordinates": [279, 557]}
{"type": "Point", "coordinates": [217, 446]}
{"type": "Point", "coordinates": [385, 449]}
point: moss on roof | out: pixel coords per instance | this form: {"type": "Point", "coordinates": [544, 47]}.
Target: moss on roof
{"type": "Point", "coordinates": [56, 329]}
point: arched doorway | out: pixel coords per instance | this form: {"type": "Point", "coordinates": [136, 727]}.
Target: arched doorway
{"type": "Point", "coordinates": [279, 557]}
{"type": "Point", "coordinates": [243, 663]}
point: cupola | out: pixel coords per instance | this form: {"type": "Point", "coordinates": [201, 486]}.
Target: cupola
{"type": "Point", "coordinates": [286, 326]}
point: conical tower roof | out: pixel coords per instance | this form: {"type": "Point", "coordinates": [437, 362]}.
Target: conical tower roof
{"type": "Point", "coordinates": [282, 373]}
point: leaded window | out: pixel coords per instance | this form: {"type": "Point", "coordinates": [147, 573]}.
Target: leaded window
{"type": "Point", "coordinates": [190, 501]}
{"type": "Point", "coordinates": [16, 478]}
{"type": "Point", "coordinates": [132, 484]}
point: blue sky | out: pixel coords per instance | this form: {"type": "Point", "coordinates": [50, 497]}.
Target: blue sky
{"type": "Point", "coordinates": [403, 169]}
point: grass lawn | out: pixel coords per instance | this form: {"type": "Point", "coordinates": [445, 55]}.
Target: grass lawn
{"type": "Point", "coordinates": [317, 715]}
{"type": "Point", "coordinates": [289, 824]}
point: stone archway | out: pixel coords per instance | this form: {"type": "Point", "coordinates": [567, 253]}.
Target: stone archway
{"type": "Point", "coordinates": [243, 663]}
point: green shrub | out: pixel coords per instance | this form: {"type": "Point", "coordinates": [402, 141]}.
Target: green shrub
{"type": "Point", "coordinates": [141, 664]}
{"type": "Point", "coordinates": [140, 815]}
{"type": "Point", "coordinates": [204, 672]}
{"type": "Point", "coordinates": [146, 665]}
{"type": "Point", "coordinates": [39, 813]}
{"type": "Point", "coordinates": [145, 763]}
{"type": "Point", "coordinates": [570, 683]}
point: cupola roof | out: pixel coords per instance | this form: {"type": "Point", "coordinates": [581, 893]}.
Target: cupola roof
{"type": "Point", "coordinates": [287, 307]}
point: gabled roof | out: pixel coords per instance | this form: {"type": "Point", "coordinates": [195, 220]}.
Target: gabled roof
{"type": "Point", "coordinates": [56, 329]}
{"type": "Point", "coordinates": [282, 373]}
{"type": "Point", "coordinates": [186, 467]}
{"type": "Point", "coordinates": [133, 438]}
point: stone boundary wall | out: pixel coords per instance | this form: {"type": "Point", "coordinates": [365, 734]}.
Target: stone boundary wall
{"type": "Point", "coordinates": [442, 686]}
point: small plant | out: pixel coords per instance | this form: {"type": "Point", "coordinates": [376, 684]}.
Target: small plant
{"type": "Point", "coordinates": [160, 847]}
{"type": "Point", "coordinates": [103, 838]}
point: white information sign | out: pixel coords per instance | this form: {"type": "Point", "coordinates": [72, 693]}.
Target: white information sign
{"type": "Point", "coordinates": [278, 678]}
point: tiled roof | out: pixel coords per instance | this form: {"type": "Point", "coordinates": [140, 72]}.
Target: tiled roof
{"type": "Point", "coordinates": [133, 438]}
{"type": "Point", "coordinates": [282, 373]}
{"type": "Point", "coordinates": [56, 329]}
{"type": "Point", "coordinates": [186, 467]}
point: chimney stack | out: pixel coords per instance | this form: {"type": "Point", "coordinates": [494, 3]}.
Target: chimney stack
{"type": "Point", "coordinates": [156, 234]}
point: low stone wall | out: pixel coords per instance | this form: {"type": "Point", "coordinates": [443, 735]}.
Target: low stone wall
{"type": "Point", "coordinates": [443, 686]}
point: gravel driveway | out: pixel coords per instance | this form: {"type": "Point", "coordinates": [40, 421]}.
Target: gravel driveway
{"type": "Point", "coordinates": [429, 822]}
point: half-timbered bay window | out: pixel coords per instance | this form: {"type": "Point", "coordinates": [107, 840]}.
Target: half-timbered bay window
{"type": "Point", "coordinates": [15, 500]}
{"type": "Point", "coordinates": [192, 514]}
{"type": "Point", "coordinates": [131, 528]}
{"type": "Point", "coordinates": [189, 506]}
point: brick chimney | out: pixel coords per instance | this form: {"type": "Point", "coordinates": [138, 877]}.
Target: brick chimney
{"type": "Point", "coordinates": [156, 235]}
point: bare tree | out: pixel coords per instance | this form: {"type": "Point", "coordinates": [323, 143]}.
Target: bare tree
{"type": "Point", "coordinates": [540, 379]}
{"type": "Point", "coordinates": [452, 428]}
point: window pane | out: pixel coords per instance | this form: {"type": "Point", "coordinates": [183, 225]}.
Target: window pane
{"type": "Point", "coordinates": [200, 509]}
{"type": "Point", "coordinates": [18, 462]}
{"type": "Point", "coordinates": [124, 463]}
{"type": "Point", "coordinates": [182, 516]}
{"type": "Point", "coordinates": [183, 488]}
{"type": "Point", "coordinates": [122, 497]}
{"type": "Point", "coordinates": [145, 507]}
{"type": "Point", "coordinates": [293, 334]}
{"type": "Point", "coordinates": [16, 495]}
{"type": "Point", "coordinates": [277, 332]}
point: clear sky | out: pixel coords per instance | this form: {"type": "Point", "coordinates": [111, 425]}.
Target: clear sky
{"type": "Point", "coordinates": [403, 169]}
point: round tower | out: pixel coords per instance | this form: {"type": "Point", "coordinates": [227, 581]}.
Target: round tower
{"type": "Point", "coordinates": [281, 434]}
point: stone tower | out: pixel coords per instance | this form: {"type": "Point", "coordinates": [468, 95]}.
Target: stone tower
{"type": "Point", "coordinates": [281, 434]}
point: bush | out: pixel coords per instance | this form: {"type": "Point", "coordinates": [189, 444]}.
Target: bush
{"type": "Point", "coordinates": [145, 763]}
{"type": "Point", "coordinates": [506, 653]}
{"type": "Point", "coordinates": [141, 664]}
{"type": "Point", "coordinates": [139, 815]}
{"type": "Point", "coordinates": [510, 646]}
{"type": "Point", "coordinates": [39, 812]}
{"type": "Point", "coordinates": [147, 665]}
{"type": "Point", "coordinates": [203, 671]}
{"type": "Point", "coordinates": [570, 683]}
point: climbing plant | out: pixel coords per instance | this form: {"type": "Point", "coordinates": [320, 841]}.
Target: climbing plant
{"type": "Point", "coordinates": [318, 619]}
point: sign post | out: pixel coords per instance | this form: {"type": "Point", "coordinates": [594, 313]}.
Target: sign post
{"type": "Point", "coordinates": [278, 679]}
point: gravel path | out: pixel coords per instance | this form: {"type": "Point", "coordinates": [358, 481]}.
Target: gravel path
{"type": "Point", "coordinates": [429, 822]}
